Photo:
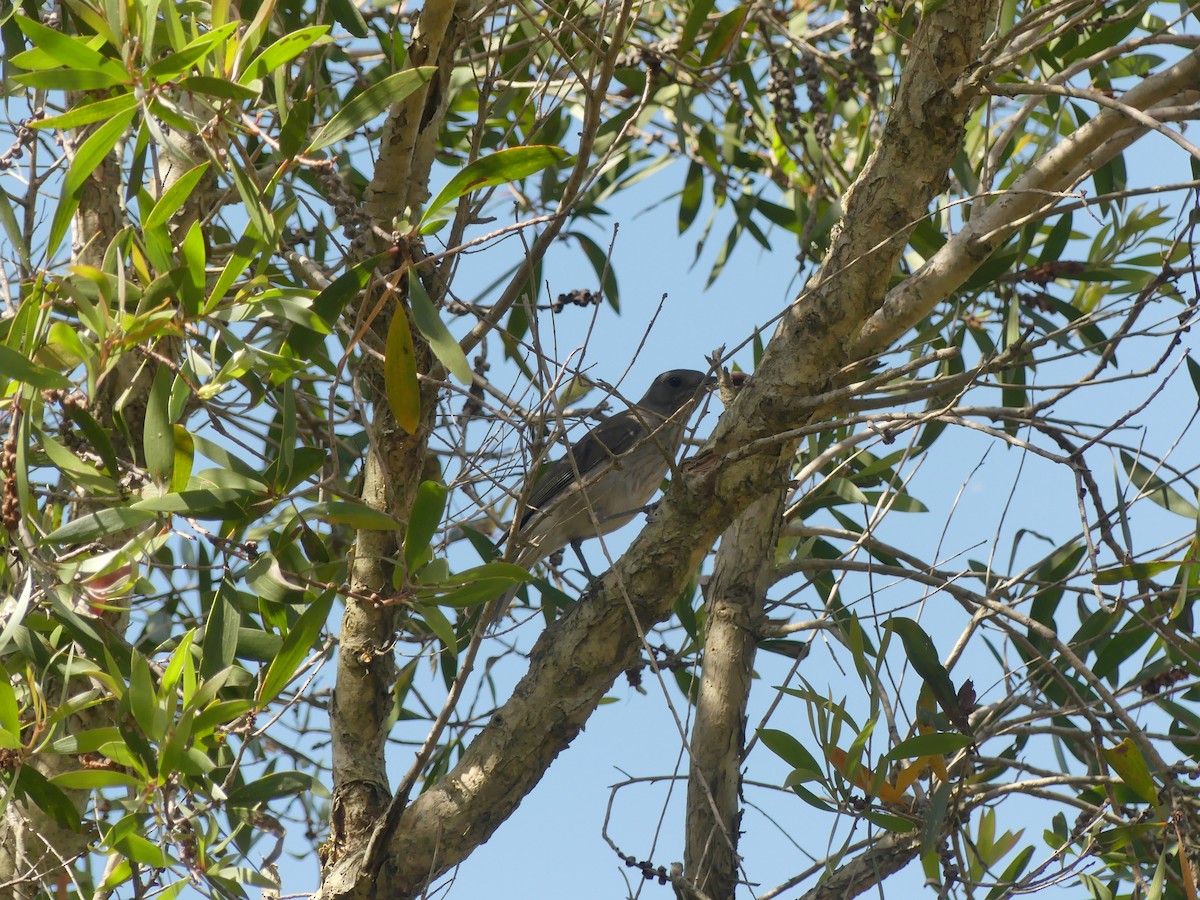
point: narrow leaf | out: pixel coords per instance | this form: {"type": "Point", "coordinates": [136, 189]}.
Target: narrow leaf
{"type": "Point", "coordinates": [300, 640]}
{"type": "Point", "coordinates": [102, 523]}
{"type": "Point", "coordinates": [14, 365]}
{"type": "Point", "coordinates": [434, 330]}
{"type": "Point", "coordinates": [369, 104]}
{"type": "Point", "coordinates": [423, 522]}
{"type": "Point", "coordinates": [174, 196]}
{"type": "Point", "coordinates": [400, 374]}
{"type": "Point", "coordinates": [1128, 762]}
{"type": "Point", "coordinates": [928, 745]}
{"type": "Point", "coordinates": [924, 658]}
{"type": "Point", "coordinates": [98, 145]}
{"type": "Point", "coordinates": [88, 113]}
{"type": "Point", "coordinates": [158, 439]}
{"type": "Point", "coordinates": [501, 167]}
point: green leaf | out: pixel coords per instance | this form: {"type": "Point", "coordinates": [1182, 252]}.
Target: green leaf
{"type": "Point", "coordinates": [88, 113]}
{"type": "Point", "coordinates": [1057, 240]}
{"type": "Point", "coordinates": [168, 204]}
{"type": "Point", "coordinates": [94, 780]}
{"type": "Point", "coordinates": [356, 515]}
{"type": "Point", "coordinates": [220, 503]}
{"type": "Point", "coordinates": [181, 667]}
{"type": "Point", "coordinates": [698, 12]}
{"type": "Point", "coordinates": [370, 103]}
{"type": "Point", "coordinates": [728, 30]}
{"type": "Point", "coordinates": [501, 167]}
{"type": "Point", "coordinates": [1158, 490]}
{"type": "Point", "coordinates": [438, 624]}
{"type": "Point", "coordinates": [346, 14]}
{"type": "Point", "coordinates": [178, 754]}
{"type": "Point", "coordinates": [475, 594]}
{"type": "Point", "coordinates": [791, 751]}
{"type": "Point", "coordinates": [185, 454]}
{"type": "Point", "coordinates": [11, 228]}
{"type": "Point", "coordinates": [14, 365]}
{"type": "Point", "coordinates": [1011, 873]}
{"type": "Point", "coordinates": [427, 510]}
{"type": "Point", "coordinates": [431, 326]}
{"type": "Point", "coordinates": [898, 824]}
{"type": "Point", "coordinates": [220, 641]}
{"type": "Point", "coordinates": [143, 700]}
{"type": "Point", "coordinates": [273, 785]}
{"type": "Point", "coordinates": [925, 661]}
{"type": "Point", "coordinates": [69, 80]}
{"type": "Point", "coordinates": [691, 196]}
{"type": "Point", "coordinates": [602, 266]}
{"type": "Point", "coordinates": [1128, 762]}
{"type": "Point", "coordinates": [158, 438]}
{"type": "Point", "coordinates": [32, 785]}
{"type": "Point", "coordinates": [400, 383]}
{"type": "Point", "coordinates": [253, 200]}
{"type": "Point", "coordinates": [90, 154]}
{"type": "Point", "coordinates": [1135, 571]}
{"type": "Point", "coordinates": [299, 642]}
{"type": "Point", "coordinates": [216, 87]}
{"type": "Point", "coordinates": [220, 713]}
{"type": "Point", "coordinates": [509, 573]}
{"type": "Point", "coordinates": [328, 305]}
{"type": "Point", "coordinates": [143, 851]}
{"type": "Point", "coordinates": [283, 51]}
{"type": "Point", "coordinates": [176, 63]}
{"type": "Point", "coordinates": [10, 715]}
{"type": "Point", "coordinates": [68, 51]}
{"type": "Point", "coordinates": [82, 473]}
{"type": "Point", "coordinates": [103, 523]}
{"type": "Point", "coordinates": [928, 745]}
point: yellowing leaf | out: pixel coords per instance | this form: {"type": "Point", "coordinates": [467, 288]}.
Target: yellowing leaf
{"type": "Point", "coordinates": [400, 374]}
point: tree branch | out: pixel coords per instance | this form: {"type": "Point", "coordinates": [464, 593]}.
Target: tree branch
{"type": "Point", "coordinates": [1061, 168]}
{"type": "Point", "coordinates": [737, 595]}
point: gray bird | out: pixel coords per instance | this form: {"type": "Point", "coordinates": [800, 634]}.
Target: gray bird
{"type": "Point", "coordinates": [608, 475]}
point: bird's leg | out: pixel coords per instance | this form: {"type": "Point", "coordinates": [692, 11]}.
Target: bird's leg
{"type": "Point", "coordinates": [576, 546]}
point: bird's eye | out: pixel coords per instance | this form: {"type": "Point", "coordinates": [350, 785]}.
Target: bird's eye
{"type": "Point", "coordinates": [675, 381]}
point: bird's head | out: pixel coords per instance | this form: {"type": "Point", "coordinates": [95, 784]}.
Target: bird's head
{"type": "Point", "coordinates": [671, 390]}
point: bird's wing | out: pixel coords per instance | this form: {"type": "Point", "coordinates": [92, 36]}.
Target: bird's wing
{"type": "Point", "coordinates": [612, 437]}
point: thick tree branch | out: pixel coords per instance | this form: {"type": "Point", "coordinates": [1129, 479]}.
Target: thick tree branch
{"type": "Point", "coordinates": [1033, 195]}
{"type": "Point", "coordinates": [400, 185]}
{"type": "Point", "coordinates": [394, 466]}
{"type": "Point", "coordinates": [741, 577]}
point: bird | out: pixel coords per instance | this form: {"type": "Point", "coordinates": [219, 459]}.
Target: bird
{"type": "Point", "coordinates": [607, 476]}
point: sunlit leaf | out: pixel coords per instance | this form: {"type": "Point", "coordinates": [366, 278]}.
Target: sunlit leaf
{"type": "Point", "coordinates": [299, 642]}
{"type": "Point", "coordinates": [372, 102]}
{"type": "Point", "coordinates": [501, 167]}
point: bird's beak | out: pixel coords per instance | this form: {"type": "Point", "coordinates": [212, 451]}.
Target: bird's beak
{"type": "Point", "coordinates": [729, 383]}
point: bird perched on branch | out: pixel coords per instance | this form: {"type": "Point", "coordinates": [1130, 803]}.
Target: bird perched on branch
{"type": "Point", "coordinates": [608, 475]}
